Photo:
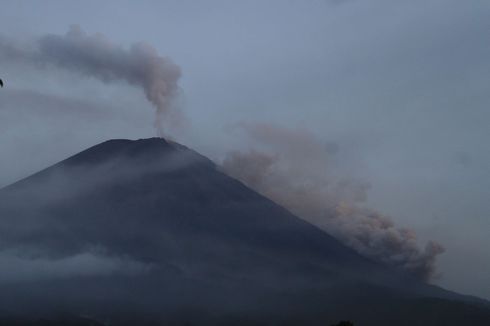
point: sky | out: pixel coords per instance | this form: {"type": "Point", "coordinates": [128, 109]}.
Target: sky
{"type": "Point", "coordinates": [401, 88]}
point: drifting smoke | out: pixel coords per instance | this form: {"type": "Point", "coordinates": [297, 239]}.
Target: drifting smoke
{"type": "Point", "coordinates": [96, 56]}
{"type": "Point", "coordinates": [292, 168]}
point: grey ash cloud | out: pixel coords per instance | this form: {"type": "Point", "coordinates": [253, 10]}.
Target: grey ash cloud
{"type": "Point", "coordinates": [96, 56]}
{"type": "Point", "coordinates": [293, 167]}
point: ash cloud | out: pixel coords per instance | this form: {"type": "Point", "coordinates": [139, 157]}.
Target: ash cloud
{"type": "Point", "coordinates": [294, 168]}
{"type": "Point", "coordinates": [290, 166]}
{"type": "Point", "coordinates": [98, 57]}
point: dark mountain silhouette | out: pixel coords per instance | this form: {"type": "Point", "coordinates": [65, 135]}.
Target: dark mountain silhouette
{"type": "Point", "coordinates": [148, 232]}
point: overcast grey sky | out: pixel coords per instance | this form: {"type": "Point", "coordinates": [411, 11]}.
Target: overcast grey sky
{"type": "Point", "coordinates": [400, 87]}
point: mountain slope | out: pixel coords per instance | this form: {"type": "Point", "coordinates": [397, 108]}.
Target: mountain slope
{"type": "Point", "coordinates": [150, 230]}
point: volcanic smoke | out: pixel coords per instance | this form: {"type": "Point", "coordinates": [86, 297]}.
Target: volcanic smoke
{"type": "Point", "coordinates": [292, 168]}
{"type": "Point", "coordinates": [96, 56]}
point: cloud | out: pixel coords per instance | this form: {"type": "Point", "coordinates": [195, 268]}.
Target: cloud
{"type": "Point", "coordinates": [292, 168]}
{"type": "Point", "coordinates": [96, 56]}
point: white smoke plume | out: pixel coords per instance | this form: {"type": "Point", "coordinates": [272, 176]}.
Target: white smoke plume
{"type": "Point", "coordinates": [96, 56]}
{"type": "Point", "coordinates": [292, 168]}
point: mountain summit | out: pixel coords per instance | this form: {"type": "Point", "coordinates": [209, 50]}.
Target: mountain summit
{"type": "Point", "coordinates": [149, 231]}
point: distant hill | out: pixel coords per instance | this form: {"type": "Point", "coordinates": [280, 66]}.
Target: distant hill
{"type": "Point", "coordinates": [149, 232]}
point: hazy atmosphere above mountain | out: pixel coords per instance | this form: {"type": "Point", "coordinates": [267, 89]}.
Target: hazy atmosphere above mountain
{"type": "Point", "coordinates": [369, 119]}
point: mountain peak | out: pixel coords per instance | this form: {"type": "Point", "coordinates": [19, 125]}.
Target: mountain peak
{"type": "Point", "coordinates": [145, 150]}
{"type": "Point", "coordinates": [124, 156]}
{"type": "Point", "coordinates": [117, 147]}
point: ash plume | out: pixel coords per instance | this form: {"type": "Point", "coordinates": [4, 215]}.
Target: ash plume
{"type": "Point", "coordinates": [96, 56]}
{"type": "Point", "coordinates": [292, 167]}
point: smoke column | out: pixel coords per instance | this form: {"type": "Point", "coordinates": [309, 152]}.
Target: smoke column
{"type": "Point", "coordinates": [96, 56]}
{"type": "Point", "coordinates": [292, 167]}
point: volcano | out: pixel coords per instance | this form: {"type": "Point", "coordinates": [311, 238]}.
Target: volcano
{"type": "Point", "coordinates": [150, 232]}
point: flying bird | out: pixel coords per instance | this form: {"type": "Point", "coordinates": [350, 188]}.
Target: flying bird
{"type": "Point", "coordinates": [1, 83]}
